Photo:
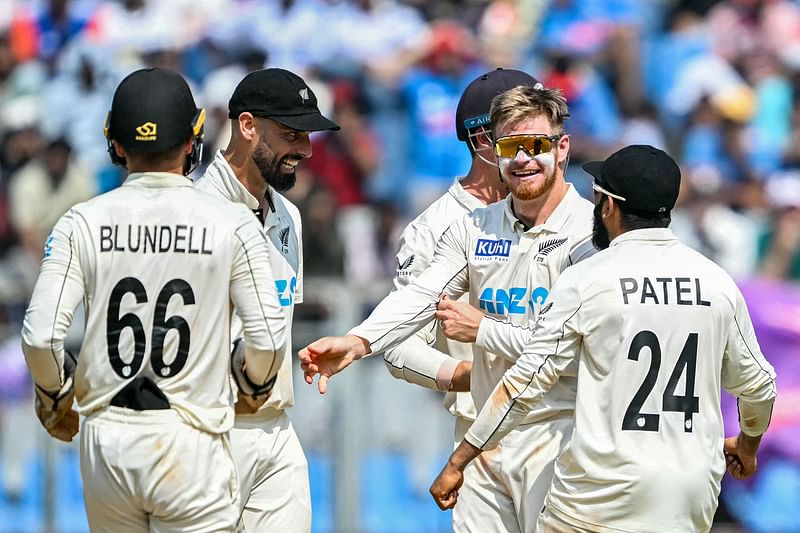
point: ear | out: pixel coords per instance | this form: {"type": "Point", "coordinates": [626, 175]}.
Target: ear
{"type": "Point", "coordinates": [563, 149]}
{"type": "Point", "coordinates": [188, 145]}
{"type": "Point", "coordinates": [118, 149]}
{"type": "Point", "coordinates": [610, 206]}
{"type": "Point", "coordinates": [484, 138]}
{"type": "Point", "coordinates": [247, 125]}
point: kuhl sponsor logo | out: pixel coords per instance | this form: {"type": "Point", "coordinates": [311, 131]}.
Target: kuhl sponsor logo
{"type": "Point", "coordinates": [493, 248]}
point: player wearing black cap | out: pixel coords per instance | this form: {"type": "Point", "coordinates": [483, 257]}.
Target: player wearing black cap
{"type": "Point", "coordinates": [272, 112]}
{"type": "Point", "coordinates": [158, 265]}
{"type": "Point", "coordinates": [656, 329]}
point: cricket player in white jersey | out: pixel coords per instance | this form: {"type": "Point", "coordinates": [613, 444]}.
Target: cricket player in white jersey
{"type": "Point", "coordinates": [507, 257]}
{"type": "Point", "coordinates": [657, 329]}
{"type": "Point", "coordinates": [272, 112]}
{"type": "Point", "coordinates": [158, 265]}
{"type": "Point", "coordinates": [429, 358]}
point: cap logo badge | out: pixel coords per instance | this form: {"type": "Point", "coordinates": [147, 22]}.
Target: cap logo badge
{"type": "Point", "coordinates": [146, 132]}
{"type": "Point", "coordinates": [303, 94]}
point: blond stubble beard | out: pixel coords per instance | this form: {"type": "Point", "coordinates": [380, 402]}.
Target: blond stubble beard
{"type": "Point", "coordinates": [530, 191]}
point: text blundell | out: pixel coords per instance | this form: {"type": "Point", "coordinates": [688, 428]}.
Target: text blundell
{"type": "Point", "coordinates": [179, 239]}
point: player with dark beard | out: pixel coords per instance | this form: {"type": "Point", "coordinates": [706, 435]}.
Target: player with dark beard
{"type": "Point", "coordinates": [600, 237]}
{"type": "Point", "coordinates": [272, 112]}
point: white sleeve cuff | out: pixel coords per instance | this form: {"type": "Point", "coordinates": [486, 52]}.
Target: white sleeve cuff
{"type": "Point", "coordinates": [444, 376]}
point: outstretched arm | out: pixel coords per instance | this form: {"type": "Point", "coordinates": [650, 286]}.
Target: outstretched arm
{"type": "Point", "coordinates": [330, 355]}
{"type": "Point", "coordinates": [400, 315]}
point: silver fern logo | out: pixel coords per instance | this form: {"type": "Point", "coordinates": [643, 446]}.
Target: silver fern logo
{"type": "Point", "coordinates": [284, 236]}
{"type": "Point", "coordinates": [545, 247]}
{"type": "Point", "coordinates": [405, 265]}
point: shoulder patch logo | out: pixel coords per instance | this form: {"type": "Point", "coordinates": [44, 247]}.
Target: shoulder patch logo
{"type": "Point", "coordinates": [146, 132]}
{"type": "Point", "coordinates": [284, 236]}
{"type": "Point", "coordinates": [545, 247]}
{"type": "Point", "coordinates": [405, 265]}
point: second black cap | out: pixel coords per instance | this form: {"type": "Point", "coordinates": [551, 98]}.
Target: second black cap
{"type": "Point", "coordinates": [282, 96]}
{"type": "Point", "coordinates": [647, 178]}
{"type": "Point", "coordinates": [476, 100]}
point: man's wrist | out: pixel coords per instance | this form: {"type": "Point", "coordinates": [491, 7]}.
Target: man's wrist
{"type": "Point", "coordinates": [361, 346]}
{"type": "Point", "coordinates": [747, 443]}
{"type": "Point", "coordinates": [462, 455]}
{"type": "Point", "coordinates": [462, 377]}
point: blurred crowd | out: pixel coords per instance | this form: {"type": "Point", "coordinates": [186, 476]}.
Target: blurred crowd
{"type": "Point", "coordinates": [714, 82]}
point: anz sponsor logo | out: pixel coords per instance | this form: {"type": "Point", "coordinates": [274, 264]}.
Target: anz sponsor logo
{"type": "Point", "coordinates": [493, 248]}
{"type": "Point", "coordinates": [48, 247]}
{"type": "Point", "coordinates": [514, 301]}
{"type": "Point", "coordinates": [286, 289]}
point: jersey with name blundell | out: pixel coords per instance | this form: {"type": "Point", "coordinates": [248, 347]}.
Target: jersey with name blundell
{"type": "Point", "coordinates": [158, 265]}
{"type": "Point", "coordinates": [658, 330]}
{"type": "Point", "coordinates": [284, 234]}
{"type": "Point", "coordinates": [507, 271]}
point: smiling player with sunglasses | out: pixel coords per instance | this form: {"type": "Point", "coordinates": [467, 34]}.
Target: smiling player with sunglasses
{"type": "Point", "coordinates": [506, 256]}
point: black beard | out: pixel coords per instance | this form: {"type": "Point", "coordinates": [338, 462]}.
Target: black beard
{"type": "Point", "coordinates": [599, 232]}
{"type": "Point", "coordinates": [270, 168]}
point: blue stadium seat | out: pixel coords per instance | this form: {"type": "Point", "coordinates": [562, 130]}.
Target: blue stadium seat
{"type": "Point", "coordinates": [70, 511]}
{"type": "Point", "coordinates": [320, 473]}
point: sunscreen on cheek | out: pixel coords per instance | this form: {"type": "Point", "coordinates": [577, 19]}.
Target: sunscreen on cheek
{"type": "Point", "coordinates": [547, 161]}
{"type": "Point", "coordinates": [504, 163]}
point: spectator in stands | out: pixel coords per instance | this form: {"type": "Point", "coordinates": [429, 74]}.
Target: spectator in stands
{"type": "Point", "coordinates": [44, 190]}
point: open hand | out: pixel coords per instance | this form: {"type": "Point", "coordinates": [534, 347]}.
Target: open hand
{"type": "Point", "coordinates": [459, 320]}
{"type": "Point", "coordinates": [330, 355]}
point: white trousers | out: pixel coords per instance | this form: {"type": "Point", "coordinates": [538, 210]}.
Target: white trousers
{"type": "Point", "coordinates": [148, 471]}
{"type": "Point", "coordinates": [551, 523]}
{"type": "Point", "coordinates": [273, 474]}
{"type": "Point", "coordinates": [506, 488]}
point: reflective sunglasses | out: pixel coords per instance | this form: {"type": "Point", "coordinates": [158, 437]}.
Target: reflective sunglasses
{"type": "Point", "coordinates": [532, 145]}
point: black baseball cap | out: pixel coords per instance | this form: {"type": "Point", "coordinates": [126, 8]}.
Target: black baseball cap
{"type": "Point", "coordinates": [646, 177]}
{"type": "Point", "coordinates": [476, 100]}
{"type": "Point", "coordinates": [279, 95]}
{"type": "Point", "coordinates": [152, 111]}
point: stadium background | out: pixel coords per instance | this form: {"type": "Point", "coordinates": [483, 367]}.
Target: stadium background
{"type": "Point", "coordinates": [717, 83]}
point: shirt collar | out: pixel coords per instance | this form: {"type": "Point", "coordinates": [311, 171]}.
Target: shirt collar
{"type": "Point", "coordinates": [464, 198]}
{"type": "Point", "coordinates": [157, 180]}
{"type": "Point", "coordinates": [558, 218]}
{"type": "Point", "coordinates": [654, 235]}
{"type": "Point", "coordinates": [225, 181]}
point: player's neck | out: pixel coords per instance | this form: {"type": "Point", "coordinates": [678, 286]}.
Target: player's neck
{"type": "Point", "coordinates": [537, 211]}
{"type": "Point", "coordinates": [246, 172]}
{"type": "Point", "coordinates": [483, 182]}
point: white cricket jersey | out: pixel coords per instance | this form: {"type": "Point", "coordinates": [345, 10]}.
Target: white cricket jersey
{"type": "Point", "coordinates": [507, 271]}
{"type": "Point", "coordinates": [658, 330]}
{"type": "Point", "coordinates": [158, 265]}
{"type": "Point", "coordinates": [284, 233]}
{"type": "Point", "coordinates": [424, 354]}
